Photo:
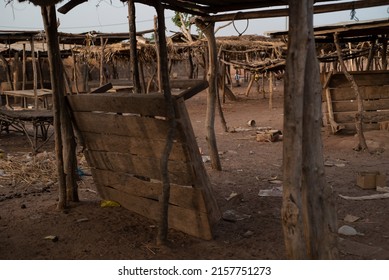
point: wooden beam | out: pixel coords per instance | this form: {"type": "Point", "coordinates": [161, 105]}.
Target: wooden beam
{"type": "Point", "coordinates": [70, 5]}
{"type": "Point", "coordinates": [285, 12]}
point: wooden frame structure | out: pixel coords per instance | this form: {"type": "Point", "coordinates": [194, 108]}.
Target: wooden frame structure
{"type": "Point", "coordinates": [308, 211]}
{"type": "Point", "coordinates": [341, 104]}
{"type": "Point", "coordinates": [125, 137]}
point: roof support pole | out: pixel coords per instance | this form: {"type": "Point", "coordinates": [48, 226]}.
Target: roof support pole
{"type": "Point", "coordinates": [209, 32]}
{"type": "Point", "coordinates": [133, 45]}
{"type": "Point", "coordinates": [65, 145]}
{"type": "Point", "coordinates": [163, 60]}
{"type": "Point", "coordinates": [308, 212]}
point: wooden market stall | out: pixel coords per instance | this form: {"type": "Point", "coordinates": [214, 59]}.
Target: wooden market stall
{"type": "Point", "coordinates": [364, 47]}
{"type": "Point", "coordinates": [308, 214]}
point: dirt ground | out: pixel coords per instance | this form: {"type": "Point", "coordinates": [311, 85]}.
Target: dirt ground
{"type": "Point", "coordinates": [32, 228]}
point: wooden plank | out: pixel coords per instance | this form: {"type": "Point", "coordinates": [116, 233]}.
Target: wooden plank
{"type": "Point", "coordinates": [133, 145]}
{"type": "Point", "coordinates": [182, 196]}
{"type": "Point", "coordinates": [187, 83]}
{"type": "Point", "coordinates": [125, 125]}
{"type": "Point", "coordinates": [368, 117]}
{"type": "Point", "coordinates": [373, 92]}
{"type": "Point", "coordinates": [186, 220]}
{"type": "Point", "coordinates": [201, 179]}
{"type": "Point", "coordinates": [368, 105]}
{"type": "Point", "coordinates": [195, 89]}
{"type": "Point", "coordinates": [144, 104]}
{"type": "Point", "coordinates": [179, 172]}
{"type": "Point", "coordinates": [350, 127]}
{"type": "Point", "coordinates": [376, 78]}
{"type": "Point", "coordinates": [377, 92]}
{"type": "Point", "coordinates": [103, 88]}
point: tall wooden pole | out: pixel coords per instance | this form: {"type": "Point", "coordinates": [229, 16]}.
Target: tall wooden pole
{"type": "Point", "coordinates": [164, 198]}
{"type": "Point", "coordinates": [359, 116]}
{"type": "Point", "coordinates": [157, 51]}
{"type": "Point", "coordinates": [384, 52]}
{"type": "Point", "coordinates": [24, 68]}
{"type": "Point", "coordinates": [133, 46]}
{"type": "Point", "coordinates": [308, 212]}
{"type": "Point", "coordinates": [65, 146]}
{"type": "Point", "coordinates": [208, 29]}
{"type": "Point", "coordinates": [102, 75]}
{"type": "Point", "coordinates": [35, 74]}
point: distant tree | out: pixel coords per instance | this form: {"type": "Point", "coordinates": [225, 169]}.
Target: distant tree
{"type": "Point", "coordinates": [183, 21]}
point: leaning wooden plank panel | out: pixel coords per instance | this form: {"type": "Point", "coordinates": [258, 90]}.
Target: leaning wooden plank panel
{"type": "Point", "coordinates": [182, 196]}
{"type": "Point", "coordinates": [189, 221]}
{"type": "Point", "coordinates": [150, 104]}
{"type": "Point", "coordinates": [180, 172]}
{"type": "Point", "coordinates": [126, 125]}
{"type": "Point", "coordinates": [133, 145]}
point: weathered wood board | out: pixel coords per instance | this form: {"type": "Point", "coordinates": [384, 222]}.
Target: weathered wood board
{"type": "Point", "coordinates": [125, 135]}
{"type": "Point", "coordinates": [374, 89]}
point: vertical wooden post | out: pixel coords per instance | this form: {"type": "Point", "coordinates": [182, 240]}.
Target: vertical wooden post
{"type": "Point", "coordinates": [223, 85]}
{"type": "Point", "coordinates": [57, 86]}
{"type": "Point", "coordinates": [40, 74]}
{"type": "Point", "coordinates": [15, 71]}
{"type": "Point", "coordinates": [271, 75]}
{"type": "Point", "coordinates": [263, 86]}
{"type": "Point", "coordinates": [208, 29]}
{"type": "Point", "coordinates": [102, 75]}
{"type": "Point", "coordinates": [171, 115]}
{"type": "Point", "coordinates": [24, 68]}
{"type": "Point", "coordinates": [252, 79]}
{"type": "Point", "coordinates": [35, 75]}
{"type": "Point", "coordinates": [65, 145]}
{"type": "Point", "coordinates": [308, 212]}
{"type": "Point", "coordinates": [359, 116]}
{"type": "Point", "coordinates": [7, 70]}
{"type": "Point", "coordinates": [371, 55]}
{"type": "Point", "coordinates": [157, 51]}
{"type": "Point", "coordinates": [384, 52]}
{"type": "Point", "coordinates": [133, 45]}
{"type": "Point", "coordinates": [75, 74]}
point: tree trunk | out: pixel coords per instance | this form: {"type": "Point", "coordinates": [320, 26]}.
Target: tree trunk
{"type": "Point", "coordinates": [212, 92]}
{"type": "Point", "coordinates": [308, 212]}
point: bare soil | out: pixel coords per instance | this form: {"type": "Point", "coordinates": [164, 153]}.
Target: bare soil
{"type": "Point", "coordinates": [28, 215]}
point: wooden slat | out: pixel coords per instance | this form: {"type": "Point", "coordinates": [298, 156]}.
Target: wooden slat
{"type": "Point", "coordinates": [350, 127]}
{"type": "Point", "coordinates": [373, 92]}
{"type": "Point", "coordinates": [368, 117]}
{"type": "Point", "coordinates": [133, 145]}
{"type": "Point", "coordinates": [125, 125]}
{"type": "Point", "coordinates": [376, 78]}
{"type": "Point", "coordinates": [201, 179]}
{"type": "Point", "coordinates": [186, 220]}
{"type": "Point", "coordinates": [143, 104]}
{"type": "Point", "coordinates": [368, 105]}
{"type": "Point", "coordinates": [180, 172]}
{"type": "Point", "coordinates": [182, 196]}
